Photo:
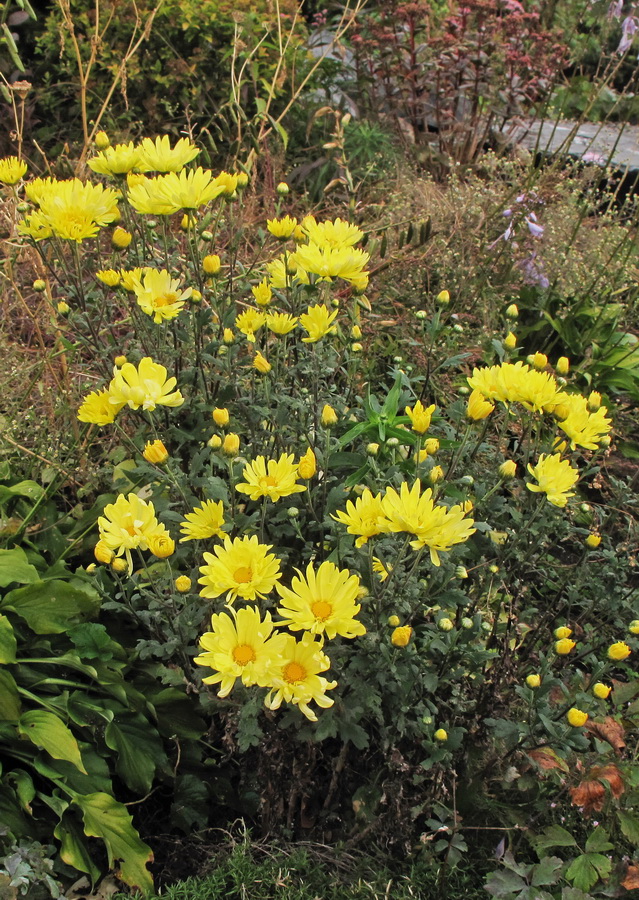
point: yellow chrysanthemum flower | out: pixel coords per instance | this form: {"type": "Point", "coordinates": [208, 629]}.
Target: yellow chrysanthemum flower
{"type": "Point", "coordinates": [365, 517]}
{"type": "Point", "coordinates": [262, 293]}
{"type": "Point", "coordinates": [118, 160]}
{"type": "Point", "coordinates": [273, 479]}
{"type": "Point", "coordinates": [240, 568]}
{"type": "Point", "coordinates": [564, 646]}
{"type": "Point", "coordinates": [478, 407]}
{"type": "Point", "coordinates": [131, 278]}
{"type": "Point", "coordinates": [322, 602]}
{"type": "Point", "coordinates": [383, 571]}
{"type": "Point", "coordinates": [250, 321]}
{"type": "Point", "coordinates": [261, 363]}
{"type": "Point", "coordinates": [555, 477]}
{"type": "Point", "coordinates": [283, 228]}
{"type": "Point", "coordinates": [159, 156]}
{"type": "Point", "coordinates": [420, 416]}
{"type": "Point", "coordinates": [159, 295]}
{"type": "Point", "coordinates": [109, 277]}
{"type": "Point", "coordinates": [576, 717]}
{"type": "Point", "coordinates": [173, 192]}
{"type": "Point", "coordinates": [155, 452]}
{"type": "Point", "coordinates": [70, 210]}
{"type": "Point", "coordinates": [298, 678]}
{"type": "Point", "coordinates": [161, 545]}
{"type": "Point", "coordinates": [241, 647]}
{"type": "Point", "coordinates": [12, 169]}
{"type": "Point", "coordinates": [129, 523]}
{"type": "Point", "coordinates": [583, 428]}
{"type": "Point", "coordinates": [146, 387]}
{"type": "Point", "coordinates": [619, 651]}
{"type": "Point", "coordinates": [337, 233]}
{"type": "Point", "coordinates": [317, 321]}
{"type": "Point", "coordinates": [205, 521]}
{"type": "Point", "coordinates": [327, 263]}
{"type": "Point", "coordinates": [434, 526]}
{"type": "Point", "coordinates": [281, 323]}
{"type": "Point", "coordinates": [99, 408]}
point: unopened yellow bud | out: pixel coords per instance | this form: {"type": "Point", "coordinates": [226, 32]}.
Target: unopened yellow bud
{"type": "Point", "coordinates": [533, 681]}
{"type": "Point", "coordinates": [401, 636]}
{"type": "Point", "coordinates": [161, 545]}
{"type": "Point", "coordinates": [593, 541]}
{"type": "Point", "coordinates": [212, 264]}
{"type": "Point", "coordinates": [539, 361]}
{"type": "Point", "coordinates": [119, 361]}
{"type": "Point", "coordinates": [510, 341]}
{"type": "Point", "coordinates": [155, 453]}
{"type": "Point", "coordinates": [39, 285]}
{"type": "Point", "coordinates": [633, 628]}
{"type": "Point", "coordinates": [91, 569]}
{"type": "Point", "coordinates": [441, 735]}
{"type": "Point", "coordinates": [63, 308]}
{"type": "Point", "coordinates": [329, 416]}
{"type": "Point", "coordinates": [356, 332]}
{"type": "Point", "coordinates": [565, 646]}
{"type": "Point", "coordinates": [594, 401]}
{"type": "Point", "coordinates": [183, 584]}
{"type": "Point", "coordinates": [443, 298]}
{"type": "Point", "coordinates": [576, 717]}
{"type": "Point", "coordinates": [242, 180]}
{"type": "Point", "coordinates": [431, 446]}
{"type": "Point", "coordinates": [619, 651]}
{"type": "Point", "coordinates": [283, 189]}
{"type": "Point", "coordinates": [307, 466]}
{"type": "Point", "coordinates": [563, 632]}
{"type": "Point", "coordinates": [119, 565]}
{"type": "Point", "coordinates": [121, 238]}
{"type": "Point", "coordinates": [393, 621]}
{"type": "Point", "coordinates": [600, 690]}
{"type": "Point", "coordinates": [196, 296]}
{"type": "Point", "coordinates": [102, 553]}
{"type": "Point", "coordinates": [436, 475]}
{"type": "Point", "coordinates": [508, 469]}
{"type": "Point", "coordinates": [231, 444]}
{"type": "Point", "coordinates": [101, 140]}
{"type": "Point", "coordinates": [188, 222]}
{"type": "Point", "coordinates": [445, 624]}
{"type": "Point", "coordinates": [221, 417]}
{"type": "Point", "coordinates": [215, 442]}
{"type": "Point", "coordinates": [261, 363]}
{"type": "Point", "coordinates": [228, 337]}
{"type": "Point", "coordinates": [563, 365]}
{"type": "Point", "coordinates": [512, 312]}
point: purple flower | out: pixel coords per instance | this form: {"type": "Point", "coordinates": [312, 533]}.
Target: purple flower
{"type": "Point", "coordinates": [533, 272]}
{"type": "Point", "coordinates": [615, 9]}
{"type": "Point", "coordinates": [628, 29]}
{"type": "Point", "coordinates": [535, 229]}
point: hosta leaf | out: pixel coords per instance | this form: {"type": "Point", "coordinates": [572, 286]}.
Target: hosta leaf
{"type": "Point", "coordinates": [105, 818]}
{"type": "Point", "coordinates": [15, 567]}
{"type": "Point", "coordinates": [10, 708]}
{"type": "Point", "coordinates": [139, 750]}
{"type": "Point", "coordinates": [50, 607]}
{"type": "Point", "coordinates": [8, 642]}
{"type": "Point", "coordinates": [47, 731]}
{"type": "Point", "coordinates": [73, 849]}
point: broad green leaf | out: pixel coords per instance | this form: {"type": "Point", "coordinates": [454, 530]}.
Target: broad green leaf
{"type": "Point", "coordinates": [30, 489]}
{"type": "Point", "coordinates": [8, 643]}
{"type": "Point", "coordinates": [629, 825]}
{"type": "Point", "coordinates": [105, 818]}
{"type": "Point", "coordinates": [66, 774]}
{"type": "Point", "coordinates": [50, 607]}
{"type": "Point", "coordinates": [73, 850]}
{"type": "Point", "coordinates": [12, 816]}
{"type": "Point", "coordinates": [587, 869]}
{"type": "Point", "coordinates": [546, 871]}
{"type": "Point", "coordinates": [15, 567]}
{"type": "Point", "coordinates": [10, 707]}
{"type": "Point", "coordinates": [23, 786]}
{"type": "Point", "coordinates": [598, 841]}
{"type": "Point", "coordinates": [139, 750]}
{"type": "Point", "coordinates": [47, 731]}
{"type": "Point", "coordinates": [553, 836]}
{"type": "Point", "coordinates": [504, 884]}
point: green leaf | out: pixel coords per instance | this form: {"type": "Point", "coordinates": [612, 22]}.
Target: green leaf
{"type": "Point", "coordinates": [73, 850]}
{"type": "Point", "coordinates": [504, 884]}
{"type": "Point", "coordinates": [629, 826]}
{"type": "Point", "coordinates": [23, 786]}
{"type": "Point", "coordinates": [15, 567]}
{"type": "Point", "coordinates": [50, 607]}
{"type": "Point", "coordinates": [47, 731]}
{"type": "Point", "coordinates": [587, 869]}
{"type": "Point", "coordinates": [8, 643]}
{"type": "Point", "coordinates": [10, 708]}
{"type": "Point", "coordinates": [105, 818]}
{"type": "Point", "coordinates": [598, 841]}
{"type": "Point", "coordinates": [546, 871]}
{"type": "Point", "coordinates": [554, 836]}
{"type": "Point", "coordinates": [139, 750]}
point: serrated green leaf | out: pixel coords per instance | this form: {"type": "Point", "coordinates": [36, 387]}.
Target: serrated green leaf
{"type": "Point", "coordinates": [546, 871]}
{"type": "Point", "coordinates": [16, 568]}
{"type": "Point", "coordinates": [105, 818]}
{"type": "Point", "coordinates": [629, 825]}
{"type": "Point", "coordinates": [504, 884]}
{"type": "Point", "coordinates": [47, 731]}
{"type": "Point", "coordinates": [598, 841]}
{"type": "Point", "coordinates": [553, 836]}
{"type": "Point", "coordinates": [50, 607]}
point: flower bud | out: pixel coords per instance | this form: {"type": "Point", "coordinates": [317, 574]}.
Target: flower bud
{"type": "Point", "coordinates": [539, 361]}
{"type": "Point", "coordinates": [261, 363]}
{"type": "Point", "coordinates": [594, 401]}
{"type": "Point", "coordinates": [221, 417]}
{"type": "Point", "coordinates": [155, 453]}
{"type": "Point", "coordinates": [510, 341]}
{"type": "Point", "coordinates": [39, 285]}
{"type": "Point", "coordinates": [508, 469]}
{"type": "Point", "coordinates": [533, 681]}
{"type": "Point", "coordinates": [161, 545]}
{"type": "Point", "coordinates": [431, 445]}
{"type": "Point", "coordinates": [563, 632]}
{"type": "Point", "coordinates": [91, 569]}
{"type": "Point", "coordinates": [512, 312]}
{"type": "Point", "coordinates": [183, 584]}
{"type": "Point", "coordinates": [494, 569]}
{"type": "Point", "coordinates": [445, 624]}
{"type": "Point", "coordinates": [443, 298]}
{"type": "Point", "coordinates": [393, 621]}
{"type": "Point", "coordinates": [467, 623]}
{"type": "Point", "coordinates": [576, 717]}
{"type": "Point", "coordinates": [421, 314]}
{"type": "Point", "coordinates": [283, 189]}
{"type": "Point", "coordinates": [63, 308]}
{"type": "Point", "coordinates": [401, 636]}
{"type": "Point", "coordinates": [307, 466]}
{"type": "Point", "coordinates": [372, 449]}
{"type": "Point", "coordinates": [119, 361]}
{"type": "Point", "coordinates": [392, 442]}
{"type": "Point", "coordinates": [102, 553]}
{"type": "Point", "coordinates": [461, 572]}
{"type": "Point", "coordinates": [212, 264]}
{"type": "Point", "coordinates": [101, 140]}
{"type": "Point", "coordinates": [457, 328]}
{"type": "Point", "coordinates": [441, 735]}
{"type": "Point", "coordinates": [467, 480]}
{"type": "Point", "coordinates": [619, 651]}
{"type": "Point", "coordinates": [601, 691]}
{"type": "Point", "coordinates": [196, 296]}
{"type": "Point", "coordinates": [231, 444]}
{"type": "Point", "coordinates": [436, 475]}
{"type": "Point", "coordinates": [356, 348]}
{"type": "Point", "coordinates": [633, 628]}
{"type": "Point", "coordinates": [215, 442]}
{"type": "Point", "coordinates": [563, 365]}
{"type": "Point", "coordinates": [478, 407]}
{"type": "Point", "coordinates": [228, 337]}
{"type": "Point", "coordinates": [242, 180]}
{"type": "Point", "coordinates": [593, 541]}
{"type": "Point", "coordinates": [564, 646]}
{"type": "Point", "coordinates": [119, 565]}
{"type": "Point", "coordinates": [207, 235]}
{"type": "Point", "coordinates": [292, 512]}
{"type": "Point", "coordinates": [329, 416]}
{"type": "Point", "coordinates": [188, 222]}
{"type": "Point", "coordinates": [121, 238]}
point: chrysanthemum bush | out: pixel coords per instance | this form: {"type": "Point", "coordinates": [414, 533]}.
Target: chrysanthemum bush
{"type": "Point", "coordinates": [377, 566]}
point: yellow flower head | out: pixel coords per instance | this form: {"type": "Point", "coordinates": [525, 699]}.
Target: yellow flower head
{"type": "Point", "coordinates": [129, 523]}
{"type": "Point", "coordinates": [327, 263]}
{"type": "Point", "coordinates": [383, 571]}
{"type": "Point", "coordinates": [161, 545]}
{"type": "Point", "coordinates": [601, 691]}
{"type": "Point", "coordinates": [212, 264]}
{"type": "Point", "coordinates": [619, 651]}
{"type": "Point", "coordinates": [584, 428]}
{"type": "Point", "coordinates": [273, 478]}
{"type": "Point", "coordinates": [109, 277]}
{"type": "Point", "coordinates": [434, 526]}
{"type": "Point", "coordinates": [155, 452]}
{"type": "Point", "coordinates": [159, 156]}
{"type": "Point", "coordinates": [322, 602]}
{"type": "Point", "coordinates": [337, 233]}
{"type": "Point", "coordinates": [420, 416]}
{"type": "Point", "coordinates": [228, 337]}
{"type": "Point", "coordinates": [131, 278]}
{"type": "Point", "coordinates": [478, 408]}
{"type": "Point", "coordinates": [99, 408]}
{"type": "Point", "coordinates": [241, 646]}
{"type": "Point", "coordinates": [329, 416]}
{"type": "Point", "coordinates": [576, 717]}
{"type": "Point", "coordinates": [307, 466]}
{"type": "Point", "coordinates": [283, 228]}
{"type": "Point", "coordinates": [262, 293]}
{"type": "Point", "coordinates": [183, 584]}
{"type": "Point", "coordinates": [593, 541]}
{"type": "Point", "coordinates": [555, 477]}
{"type": "Point", "coordinates": [317, 321]}
{"type": "Point", "coordinates": [70, 210]}
{"type": "Point", "coordinates": [250, 321]}
{"type": "Point", "coordinates": [281, 323]}
{"type": "Point", "coordinates": [401, 636]}
{"type": "Point", "coordinates": [298, 678]}
{"type": "Point", "coordinates": [221, 416]}
{"type": "Point", "coordinates": [159, 295]}
{"type": "Point", "coordinates": [146, 387]}
{"type": "Point", "coordinates": [173, 192]}
{"type": "Point", "coordinates": [564, 646]}
{"type": "Point", "coordinates": [240, 568]}
{"type": "Point", "coordinates": [261, 363]}
{"type": "Point", "coordinates": [364, 518]}
{"type": "Point", "coordinates": [116, 160]}
{"type": "Point", "coordinates": [533, 681]}
{"type": "Point", "coordinates": [563, 632]}
{"type": "Point", "coordinates": [204, 522]}
{"type": "Point", "coordinates": [12, 169]}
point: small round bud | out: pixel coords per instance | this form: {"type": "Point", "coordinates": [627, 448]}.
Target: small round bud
{"type": "Point", "coordinates": [421, 314]}
{"type": "Point", "coordinates": [458, 328]}
{"type": "Point", "coordinates": [392, 442]}
{"type": "Point", "coordinates": [23, 207]}
{"type": "Point", "coordinates": [393, 621]}
{"type": "Point", "coordinates": [593, 541]}
{"type": "Point", "coordinates": [121, 238]}
{"type": "Point", "coordinates": [329, 416]}
{"type": "Point", "coordinates": [39, 285]}
{"type": "Point", "coordinates": [372, 449]}
{"type": "Point", "coordinates": [467, 480]}
{"type": "Point", "coordinates": [228, 337]}
{"type": "Point", "coordinates": [493, 569]}
{"type": "Point", "coordinates": [91, 569]}
{"type": "Point", "coordinates": [119, 361]}
{"type": "Point", "coordinates": [445, 624]}
{"type": "Point", "coordinates": [183, 584]}
{"type": "Point", "coordinates": [564, 646]}
{"type": "Point", "coordinates": [461, 572]}
{"type": "Point", "coordinates": [196, 296]}
{"type": "Point", "coordinates": [63, 308]}
{"type": "Point", "coordinates": [441, 735]}
{"type": "Point", "coordinates": [512, 312]}
{"type": "Point", "coordinates": [293, 512]}
{"type": "Point", "coordinates": [356, 332]}
{"type": "Point", "coordinates": [563, 365]}
{"type": "Point", "coordinates": [443, 298]}
{"type": "Point", "coordinates": [539, 361]}
{"type": "Point", "coordinates": [401, 636]}
{"type": "Point", "coordinates": [594, 401]}
{"type": "Point", "coordinates": [467, 623]}
{"type": "Point", "coordinates": [119, 565]}
{"type": "Point", "coordinates": [601, 691]}
{"type": "Point", "coordinates": [207, 235]}
{"type": "Point", "coordinates": [215, 442]}
{"type": "Point", "coordinates": [510, 341]}
{"type": "Point", "coordinates": [283, 189]}
{"type": "Point", "coordinates": [431, 445]}
{"type": "Point", "coordinates": [231, 445]}
{"type": "Point", "coordinates": [563, 632]}
{"type": "Point", "coordinates": [221, 417]}
{"type": "Point", "coordinates": [212, 264]}
{"type": "Point", "coordinates": [508, 469]}
{"type": "Point", "coordinates": [436, 475]}
{"type": "Point", "coordinates": [356, 348]}
{"type": "Point", "coordinates": [576, 717]}
{"type": "Point", "coordinates": [533, 681]}
{"type": "Point", "coordinates": [242, 180]}
{"type": "Point", "coordinates": [633, 628]}
{"type": "Point", "coordinates": [101, 140]}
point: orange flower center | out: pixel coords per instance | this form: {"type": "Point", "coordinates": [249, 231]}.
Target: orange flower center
{"type": "Point", "coordinates": [165, 299]}
{"type": "Point", "coordinates": [243, 575]}
{"type": "Point", "coordinates": [268, 481]}
{"type": "Point", "coordinates": [293, 672]}
{"type": "Point", "coordinates": [321, 609]}
{"type": "Point", "coordinates": [243, 654]}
